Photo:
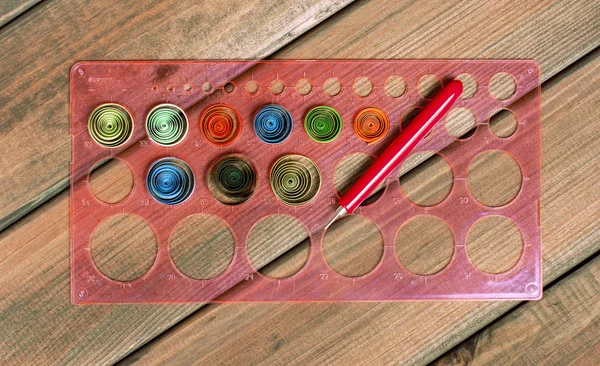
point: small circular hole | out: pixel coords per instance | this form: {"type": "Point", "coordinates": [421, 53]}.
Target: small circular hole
{"type": "Point", "coordinates": [332, 87]}
{"type": "Point", "coordinates": [303, 87]}
{"type": "Point", "coordinates": [207, 87]}
{"type": "Point", "coordinates": [187, 87]}
{"type": "Point", "coordinates": [251, 87]}
{"type": "Point", "coordinates": [429, 86]}
{"type": "Point", "coordinates": [362, 86]}
{"type": "Point", "coordinates": [277, 87]}
{"type": "Point", "coordinates": [229, 87]}
{"type": "Point", "coordinates": [395, 86]}
{"type": "Point", "coordinates": [503, 123]}
{"type": "Point", "coordinates": [469, 85]}
{"type": "Point", "coordinates": [170, 87]}
{"type": "Point", "coordinates": [503, 86]}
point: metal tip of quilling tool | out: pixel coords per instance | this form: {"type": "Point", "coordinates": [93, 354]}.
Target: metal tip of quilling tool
{"type": "Point", "coordinates": [341, 211]}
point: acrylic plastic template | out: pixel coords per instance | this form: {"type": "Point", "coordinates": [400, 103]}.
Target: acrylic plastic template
{"type": "Point", "coordinates": [242, 140]}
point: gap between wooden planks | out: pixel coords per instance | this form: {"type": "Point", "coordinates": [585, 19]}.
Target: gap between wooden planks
{"type": "Point", "coordinates": [560, 329]}
{"type": "Point", "coordinates": [36, 129]}
{"type": "Point", "coordinates": [415, 332]}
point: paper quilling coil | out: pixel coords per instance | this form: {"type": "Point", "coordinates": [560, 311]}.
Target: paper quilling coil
{"type": "Point", "coordinates": [110, 125]}
{"type": "Point", "coordinates": [273, 124]}
{"type": "Point", "coordinates": [295, 180]}
{"type": "Point", "coordinates": [170, 181]}
{"type": "Point", "coordinates": [371, 124]}
{"type": "Point", "coordinates": [323, 124]}
{"type": "Point", "coordinates": [220, 124]}
{"type": "Point", "coordinates": [166, 124]}
{"type": "Point", "coordinates": [232, 180]}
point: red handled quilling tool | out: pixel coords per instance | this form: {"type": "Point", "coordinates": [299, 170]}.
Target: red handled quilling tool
{"type": "Point", "coordinates": [399, 149]}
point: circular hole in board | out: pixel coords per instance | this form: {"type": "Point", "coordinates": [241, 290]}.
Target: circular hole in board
{"type": "Point", "coordinates": [353, 246]}
{"type": "Point", "coordinates": [332, 87]}
{"type": "Point", "coordinates": [111, 180]}
{"type": "Point", "coordinates": [424, 245]}
{"type": "Point", "coordinates": [503, 86]}
{"type": "Point", "coordinates": [295, 180]}
{"type": "Point", "coordinates": [303, 86]}
{"type": "Point", "coordinates": [469, 85]}
{"type": "Point", "coordinates": [277, 87]}
{"type": "Point", "coordinates": [187, 87]}
{"type": "Point", "coordinates": [229, 87]}
{"type": "Point", "coordinates": [347, 172]}
{"type": "Point", "coordinates": [503, 123]}
{"type": "Point", "coordinates": [395, 86]}
{"type": "Point", "coordinates": [362, 86]}
{"type": "Point", "coordinates": [494, 178]}
{"type": "Point", "coordinates": [110, 125]}
{"type": "Point", "coordinates": [231, 179]}
{"type": "Point", "coordinates": [278, 246]}
{"type": "Point", "coordinates": [426, 178]}
{"type": "Point", "coordinates": [201, 246]}
{"type": "Point", "coordinates": [251, 87]}
{"type": "Point", "coordinates": [123, 247]}
{"type": "Point", "coordinates": [494, 244]}
{"type": "Point", "coordinates": [461, 123]}
{"type": "Point", "coordinates": [429, 85]}
{"type": "Point", "coordinates": [207, 87]}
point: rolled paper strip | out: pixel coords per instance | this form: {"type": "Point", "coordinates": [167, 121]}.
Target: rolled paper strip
{"type": "Point", "coordinates": [220, 124]}
{"type": "Point", "coordinates": [110, 125]}
{"type": "Point", "coordinates": [232, 180]}
{"type": "Point", "coordinates": [167, 124]}
{"type": "Point", "coordinates": [371, 124]}
{"type": "Point", "coordinates": [273, 124]}
{"type": "Point", "coordinates": [295, 180]}
{"type": "Point", "coordinates": [323, 124]}
{"type": "Point", "coordinates": [170, 181]}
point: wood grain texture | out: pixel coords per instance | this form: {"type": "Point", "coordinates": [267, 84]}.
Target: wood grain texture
{"type": "Point", "coordinates": [42, 45]}
{"type": "Point", "coordinates": [11, 9]}
{"type": "Point", "coordinates": [391, 333]}
{"type": "Point", "coordinates": [560, 329]}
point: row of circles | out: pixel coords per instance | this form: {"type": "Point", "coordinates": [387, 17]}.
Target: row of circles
{"type": "Point", "coordinates": [111, 125]}
{"type": "Point", "coordinates": [202, 246]}
{"type": "Point", "coordinates": [502, 86]}
{"type": "Point", "coordinates": [494, 179]}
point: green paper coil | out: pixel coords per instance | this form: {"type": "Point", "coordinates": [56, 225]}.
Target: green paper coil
{"type": "Point", "coordinates": [167, 124]}
{"type": "Point", "coordinates": [110, 125]}
{"type": "Point", "coordinates": [323, 124]}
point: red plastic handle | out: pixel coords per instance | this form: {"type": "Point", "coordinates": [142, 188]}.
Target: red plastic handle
{"type": "Point", "coordinates": [399, 149]}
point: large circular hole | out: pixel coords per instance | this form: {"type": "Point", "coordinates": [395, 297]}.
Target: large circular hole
{"type": "Point", "coordinates": [429, 85]}
{"type": "Point", "coordinates": [494, 244]}
{"type": "Point", "coordinates": [347, 172]}
{"type": "Point", "coordinates": [460, 123]}
{"type": "Point", "coordinates": [202, 246]}
{"type": "Point", "coordinates": [353, 246]}
{"type": "Point", "coordinates": [424, 245]}
{"type": "Point", "coordinates": [123, 247]}
{"type": "Point", "coordinates": [232, 179]}
{"type": "Point", "coordinates": [332, 87]}
{"type": "Point", "coordinates": [278, 246]}
{"type": "Point", "coordinates": [395, 86]}
{"type": "Point", "coordinates": [426, 179]}
{"type": "Point", "coordinates": [494, 178]}
{"type": "Point", "coordinates": [362, 86]}
{"type": "Point", "coordinates": [111, 180]}
{"type": "Point", "coordinates": [503, 123]}
{"type": "Point", "coordinates": [295, 180]}
{"type": "Point", "coordinates": [469, 85]}
{"type": "Point", "coordinates": [503, 86]}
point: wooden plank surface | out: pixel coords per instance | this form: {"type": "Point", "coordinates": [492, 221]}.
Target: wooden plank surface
{"type": "Point", "coordinates": [415, 332]}
{"type": "Point", "coordinates": [41, 46]}
{"type": "Point", "coordinates": [11, 9]}
{"type": "Point", "coordinates": [560, 329]}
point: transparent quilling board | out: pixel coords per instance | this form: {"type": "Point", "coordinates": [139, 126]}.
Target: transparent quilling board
{"type": "Point", "coordinates": [233, 170]}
